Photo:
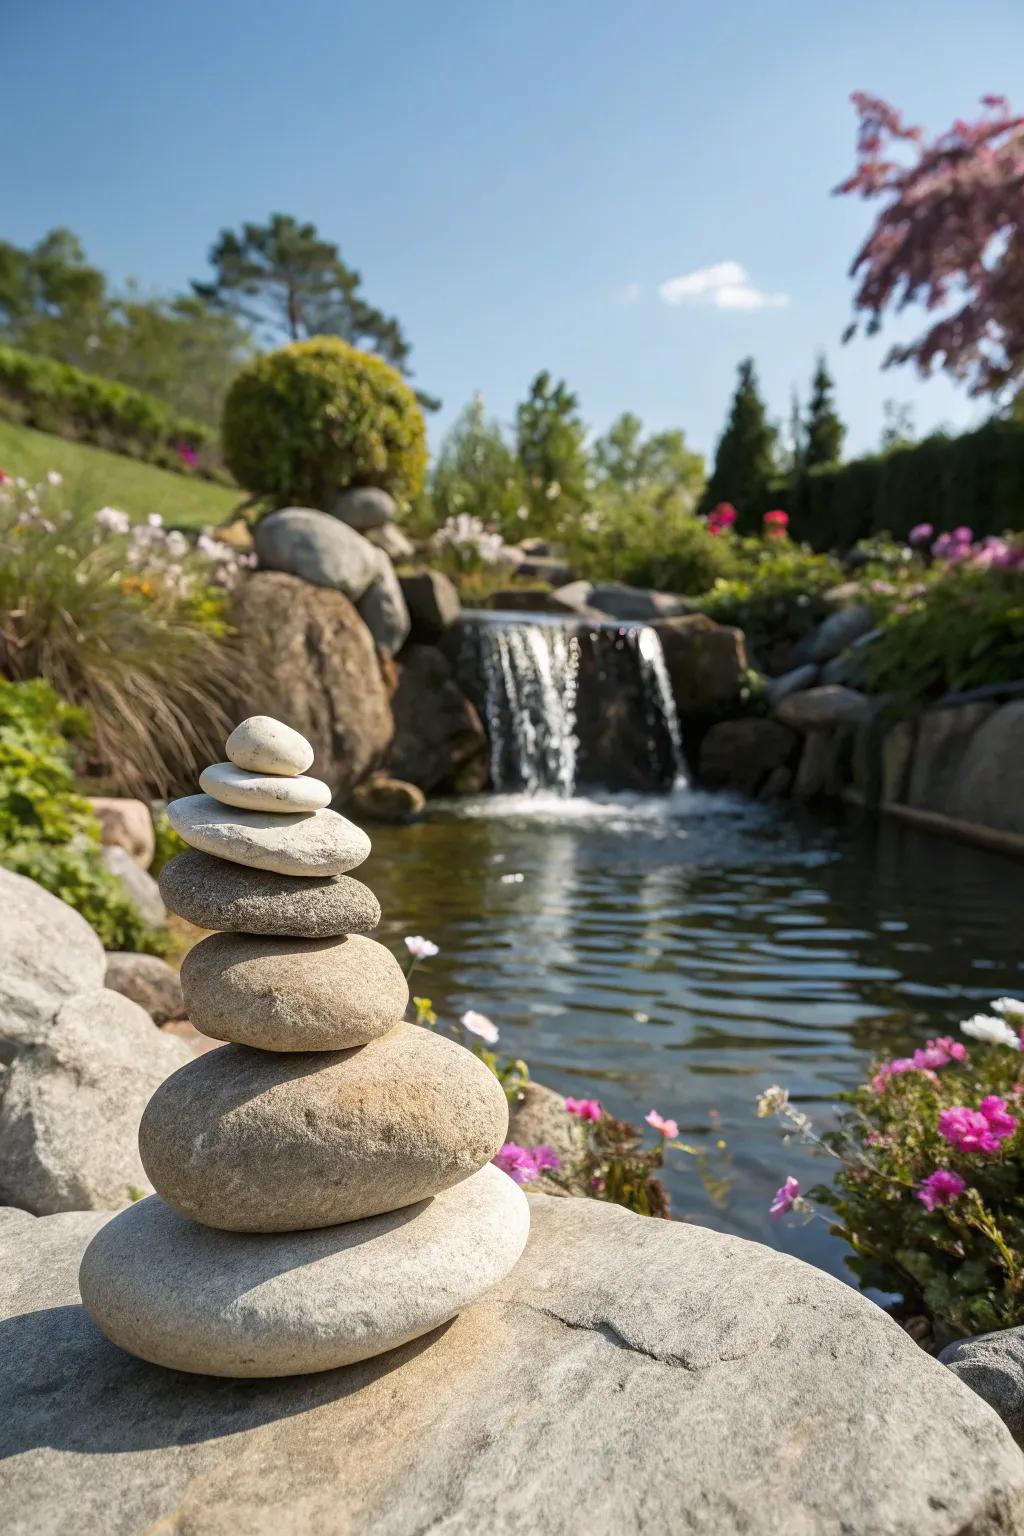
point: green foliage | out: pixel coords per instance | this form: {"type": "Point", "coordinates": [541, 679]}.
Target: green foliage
{"type": "Point", "coordinates": [824, 432]}
{"type": "Point", "coordinates": [624, 458]}
{"type": "Point", "coordinates": [646, 541]}
{"type": "Point", "coordinates": [47, 831]}
{"type": "Point", "coordinates": [618, 1168]}
{"type": "Point", "coordinates": [477, 474]}
{"type": "Point", "coordinates": [127, 626]}
{"type": "Point", "coordinates": [745, 455]}
{"type": "Point", "coordinates": [168, 844]}
{"type": "Point", "coordinates": [549, 444]}
{"type": "Point", "coordinates": [51, 300]}
{"type": "Point", "coordinates": [302, 423]}
{"type": "Point", "coordinates": [961, 1263]}
{"type": "Point", "coordinates": [58, 398]}
{"type": "Point", "coordinates": [778, 594]}
{"type": "Point", "coordinates": [958, 631]}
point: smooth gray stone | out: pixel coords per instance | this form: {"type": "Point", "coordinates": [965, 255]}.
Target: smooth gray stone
{"type": "Point", "coordinates": [148, 981]}
{"type": "Point", "coordinates": [293, 994]}
{"type": "Point", "coordinates": [295, 795]}
{"type": "Point", "coordinates": [318, 548]}
{"type": "Point", "coordinates": [181, 1295]}
{"type": "Point", "coordinates": [382, 608]}
{"type": "Point", "coordinates": [139, 886]}
{"type": "Point", "coordinates": [320, 843]}
{"type": "Point", "coordinates": [391, 539]}
{"type": "Point", "coordinates": [49, 953]}
{"type": "Point", "coordinates": [364, 507]}
{"type": "Point", "coordinates": [823, 707]}
{"type": "Point", "coordinates": [795, 681]}
{"type": "Point", "coordinates": [259, 1141]}
{"type": "Point", "coordinates": [992, 1364]}
{"type": "Point", "coordinates": [212, 893]}
{"type": "Point", "coordinates": [70, 1106]}
{"type": "Point", "coordinates": [629, 1375]}
{"type": "Point", "coordinates": [262, 744]}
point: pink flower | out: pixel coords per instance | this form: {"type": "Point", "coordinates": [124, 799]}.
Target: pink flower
{"type": "Point", "coordinates": [775, 524]}
{"type": "Point", "coordinates": [546, 1157]}
{"type": "Point", "coordinates": [785, 1197]}
{"type": "Point", "coordinates": [584, 1109]}
{"type": "Point", "coordinates": [480, 1024]}
{"type": "Point", "coordinates": [920, 534]}
{"type": "Point", "coordinates": [668, 1128]}
{"type": "Point", "coordinates": [721, 518]}
{"type": "Point", "coordinates": [977, 1130]}
{"type": "Point", "coordinates": [940, 1188]}
{"type": "Point", "coordinates": [518, 1162]}
{"type": "Point", "coordinates": [188, 455]}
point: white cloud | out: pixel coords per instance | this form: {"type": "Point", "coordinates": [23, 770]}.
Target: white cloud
{"type": "Point", "coordinates": [724, 286]}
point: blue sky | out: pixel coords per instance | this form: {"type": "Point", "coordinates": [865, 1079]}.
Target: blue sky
{"type": "Point", "coordinates": [516, 181]}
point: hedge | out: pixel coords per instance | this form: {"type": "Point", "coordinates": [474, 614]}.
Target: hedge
{"type": "Point", "coordinates": [55, 397]}
{"type": "Point", "coordinates": [975, 479]}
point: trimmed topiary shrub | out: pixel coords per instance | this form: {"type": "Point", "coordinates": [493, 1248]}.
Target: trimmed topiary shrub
{"type": "Point", "coordinates": [306, 421]}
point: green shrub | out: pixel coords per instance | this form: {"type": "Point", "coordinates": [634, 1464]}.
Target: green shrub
{"type": "Point", "coordinates": [58, 398]}
{"type": "Point", "coordinates": [124, 622]}
{"type": "Point", "coordinates": [928, 1192]}
{"type": "Point", "coordinates": [47, 831]}
{"type": "Point", "coordinates": [646, 540]}
{"type": "Point", "coordinates": [302, 423]}
{"type": "Point", "coordinates": [778, 595]}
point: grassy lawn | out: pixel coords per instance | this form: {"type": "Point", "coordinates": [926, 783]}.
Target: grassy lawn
{"type": "Point", "coordinates": [109, 479]}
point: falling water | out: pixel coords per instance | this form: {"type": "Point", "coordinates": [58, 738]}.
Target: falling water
{"type": "Point", "coordinates": [570, 704]}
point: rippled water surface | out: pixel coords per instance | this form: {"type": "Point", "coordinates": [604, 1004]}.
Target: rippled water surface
{"type": "Point", "coordinates": [686, 953]}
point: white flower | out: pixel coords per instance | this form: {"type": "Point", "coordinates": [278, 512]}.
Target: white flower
{"type": "Point", "coordinates": [155, 520]}
{"type": "Point", "coordinates": [112, 521]}
{"type": "Point", "coordinates": [993, 1031]}
{"type": "Point", "coordinates": [421, 948]}
{"type": "Point", "coordinates": [772, 1101]}
{"type": "Point", "coordinates": [177, 545]}
{"type": "Point", "coordinates": [53, 477]}
{"type": "Point", "coordinates": [480, 1024]}
{"type": "Point", "coordinates": [512, 879]}
{"type": "Point", "coordinates": [1011, 1008]}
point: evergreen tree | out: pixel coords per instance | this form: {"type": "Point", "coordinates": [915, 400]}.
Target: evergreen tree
{"type": "Point", "coordinates": [549, 444]}
{"type": "Point", "coordinates": [825, 432]}
{"type": "Point", "coordinates": [745, 455]}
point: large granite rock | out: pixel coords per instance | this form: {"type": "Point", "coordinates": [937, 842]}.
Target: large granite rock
{"type": "Point", "coordinates": [942, 739]}
{"type": "Point", "coordinates": [618, 601]}
{"type": "Point", "coordinates": [630, 1375]}
{"type": "Point", "coordinates": [49, 953]}
{"type": "Point", "coordinates": [987, 787]}
{"type": "Point", "coordinates": [335, 1136]}
{"type": "Point", "coordinates": [742, 754]}
{"type": "Point", "coordinates": [382, 608]}
{"type": "Point", "coordinates": [148, 981]}
{"type": "Point", "coordinates": [993, 1366]}
{"type": "Point", "coordinates": [308, 658]}
{"type": "Point", "coordinates": [433, 603]}
{"type": "Point", "coordinates": [439, 744]}
{"type": "Point", "coordinates": [706, 662]}
{"type": "Point", "coordinates": [70, 1106]}
{"type": "Point", "coordinates": [318, 548]}
{"type": "Point", "coordinates": [126, 824]}
{"type": "Point", "coordinates": [211, 893]}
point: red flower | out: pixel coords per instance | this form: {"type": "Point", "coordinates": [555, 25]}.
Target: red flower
{"type": "Point", "coordinates": [775, 524]}
{"type": "Point", "coordinates": [722, 517]}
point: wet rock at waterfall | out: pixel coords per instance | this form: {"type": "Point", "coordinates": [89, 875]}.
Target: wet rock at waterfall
{"type": "Point", "coordinates": [293, 994]}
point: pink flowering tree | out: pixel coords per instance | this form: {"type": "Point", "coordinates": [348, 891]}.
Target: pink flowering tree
{"type": "Point", "coordinates": [949, 235]}
{"type": "Point", "coordinates": [929, 1174]}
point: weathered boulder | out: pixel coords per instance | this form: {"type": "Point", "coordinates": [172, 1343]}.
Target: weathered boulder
{"type": "Point", "coordinates": [148, 981]}
{"type": "Point", "coordinates": [833, 635]}
{"type": "Point", "coordinates": [364, 507]}
{"type": "Point", "coordinates": [629, 1375]}
{"type": "Point", "coordinates": [318, 548]}
{"type": "Point", "coordinates": [126, 824]}
{"type": "Point", "coordinates": [440, 744]}
{"type": "Point", "coordinates": [740, 754]}
{"type": "Point", "coordinates": [433, 603]}
{"type": "Point", "coordinates": [621, 602]}
{"type": "Point", "coordinates": [140, 887]}
{"type": "Point", "coordinates": [707, 663]}
{"type": "Point", "coordinates": [382, 798]}
{"type": "Point", "coordinates": [70, 1106]}
{"type": "Point", "coordinates": [382, 608]}
{"type": "Point", "coordinates": [49, 953]}
{"type": "Point", "coordinates": [391, 539]}
{"type": "Point", "coordinates": [942, 740]}
{"type": "Point", "coordinates": [992, 1364]}
{"type": "Point", "coordinates": [794, 681]}
{"type": "Point", "coordinates": [308, 658]}
{"type": "Point", "coordinates": [539, 1118]}
{"type": "Point", "coordinates": [823, 708]}
{"type": "Point", "coordinates": [992, 764]}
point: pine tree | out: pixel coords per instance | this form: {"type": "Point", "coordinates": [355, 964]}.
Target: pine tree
{"type": "Point", "coordinates": [825, 431]}
{"type": "Point", "coordinates": [745, 455]}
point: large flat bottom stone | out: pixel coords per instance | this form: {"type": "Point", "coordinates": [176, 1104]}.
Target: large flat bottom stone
{"type": "Point", "coordinates": [629, 1376]}
{"type": "Point", "coordinates": [281, 1304]}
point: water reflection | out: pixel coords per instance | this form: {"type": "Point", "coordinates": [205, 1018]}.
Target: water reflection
{"type": "Point", "coordinates": [686, 952]}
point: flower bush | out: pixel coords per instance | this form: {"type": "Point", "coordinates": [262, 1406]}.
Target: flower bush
{"type": "Point", "coordinates": [776, 594]}
{"type": "Point", "coordinates": [47, 831]}
{"type": "Point", "coordinates": [126, 621]}
{"type": "Point", "coordinates": [642, 538]}
{"type": "Point", "coordinates": [929, 1191]}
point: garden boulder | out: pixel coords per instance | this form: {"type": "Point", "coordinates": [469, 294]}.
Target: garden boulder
{"type": "Point", "coordinates": [307, 658]}
{"type": "Point", "coordinates": [126, 824]}
{"type": "Point", "coordinates": [991, 765]}
{"type": "Point", "coordinates": [992, 1364]}
{"type": "Point", "coordinates": [629, 1375]}
{"type": "Point", "coordinates": [637, 603]}
{"type": "Point", "coordinates": [364, 507]}
{"type": "Point", "coordinates": [381, 798]}
{"type": "Point", "coordinates": [706, 662]}
{"type": "Point", "coordinates": [382, 607]}
{"type": "Point", "coordinates": [834, 634]}
{"type": "Point", "coordinates": [49, 952]}
{"type": "Point", "coordinates": [148, 981]}
{"type": "Point", "coordinates": [433, 603]}
{"type": "Point", "coordinates": [440, 744]}
{"type": "Point", "coordinates": [823, 708]}
{"type": "Point", "coordinates": [139, 886]}
{"type": "Point", "coordinates": [742, 754]}
{"type": "Point", "coordinates": [319, 548]}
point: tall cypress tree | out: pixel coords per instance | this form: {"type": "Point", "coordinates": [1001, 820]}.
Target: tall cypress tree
{"type": "Point", "coordinates": [745, 456]}
{"type": "Point", "coordinates": [825, 431]}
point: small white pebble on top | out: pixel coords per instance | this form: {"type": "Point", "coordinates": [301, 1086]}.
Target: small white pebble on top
{"type": "Point", "coordinates": [264, 745]}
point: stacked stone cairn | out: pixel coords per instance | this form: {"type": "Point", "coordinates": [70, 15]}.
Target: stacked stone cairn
{"type": "Point", "coordinates": [324, 1183]}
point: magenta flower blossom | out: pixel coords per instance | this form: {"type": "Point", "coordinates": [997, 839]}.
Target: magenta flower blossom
{"type": "Point", "coordinates": [785, 1197]}
{"type": "Point", "coordinates": [977, 1130]}
{"type": "Point", "coordinates": [668, 1128]}
{"type": "Point", "coordinates": [522, 1165]}
{"type": "Point", "coordinates": [584, 1109]}
{"type": "Point", "coordinates": [920, 534]}
{"type": "Point", "coordinates": [546, 1157]}
{"type": "Point", "coordinates": [940, 1188]}
{"type": "Point", "coordinates": [927, 1058]}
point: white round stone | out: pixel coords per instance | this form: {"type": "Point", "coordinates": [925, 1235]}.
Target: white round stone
{"type": "Point", "coordinates": [264, 791]}
{"type": "Point", "coordinates": [265, 745]}
{"type": "Point", "coordinates": [317, 843]}
{"type": "Point", "coordinates": [224, 1304]}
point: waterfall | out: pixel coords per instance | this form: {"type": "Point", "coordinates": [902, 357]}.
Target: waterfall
{"type": "Point", "coordinates": [570, 705]}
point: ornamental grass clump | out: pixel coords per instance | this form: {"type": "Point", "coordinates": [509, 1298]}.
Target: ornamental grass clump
{"type": "Point", "coordinates": [126, 621]}
{"type": "Point", "coordinates": [929, 1191]}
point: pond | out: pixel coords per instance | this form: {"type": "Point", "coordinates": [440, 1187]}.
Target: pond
{"type": "Point", "coordinates": [685, 952]}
